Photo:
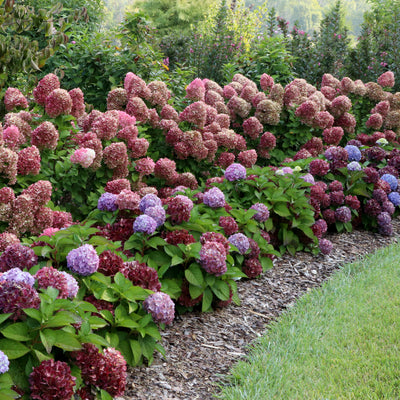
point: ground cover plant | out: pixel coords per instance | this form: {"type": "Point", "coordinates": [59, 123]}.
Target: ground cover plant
{"type": "Point", "coordinates": [337, 342]}
{"type": "Point", "coordinates": [114, 221]}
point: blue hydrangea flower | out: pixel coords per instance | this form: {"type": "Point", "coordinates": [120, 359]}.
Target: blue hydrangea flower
{"type": "Point", "coordinates": [16, 275]}
{"type": "Point", "coordinates": [149, 200]}
{"type": "Point", "coordinates": [4, 363]}
{"type": "Point", "coordinates": [240, 241]}
{"type": "Point", "coordinates": [394, 197]}
{"type": "Point", "coordinates": [72, 284]}
{"type": "Point", "coordinates": [214, 198]}
{"type": "Point", "coordinates": [83, 260]}
{"type": "Point", "coordinates": [157, 213]}
{"type": "Point", "coordinates": [235, 172]}
{"type": "Point", "coordinates": [354, 166]}
{"type": "Point", "coordinates": [353, 152]}
{"type": "Point", "coordinates": [391, 179]}
{"type": "Point", "coordinates": [107, 202]}
{"type": "Point", "coordinates": [145, 224]}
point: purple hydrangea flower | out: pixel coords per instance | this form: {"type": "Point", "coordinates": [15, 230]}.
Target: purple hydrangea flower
{"type": "Point", "coordinates": [343, 214]}
{"type": "Point", "coordinates": [16, 275]}
{"type": "Point", "coordinates": [391, 179]}
{"type": "Point", "coordinates": [4, 363]}
{"type": "Point", "coordinates": [157, 213]}
{"type": "Point", "coordinates": [325, 246]}
{"type": "Point", "coordinates": [308, 178]}
{"type": "Point", "coordinates": [383, 218]}
{"type": "Point", "coordinates": [185, 200]}
{"type": "Point", "coordinates": [107, 202]}
{"type": "Point", "coordinates": [263, 212]}
{"type": "Point", "coordinates": [83, 260]}
{"type": "Point", "coordinates": [353, 152]}
{"type": "Point", "coordinates": [213, 258]}
{"type": "Point", "coordinates": [235, 172]}
{"type": "Point", "coordinates": [149, 200]}
{"type": "Point", "coordinates": [240, 241]}
{"type": "Point", "coordinates": [145, 224]}
{"type": "Point", "coordinates": [72, 284]}
{"type": "Point", "coordinates": [354, 166]}
{"type": "Point", "coordinates": [394, 197]}
{"type": "Point", "coordinates": [214, 198]}
{"type": "Point", "coordinates": [161, 307]}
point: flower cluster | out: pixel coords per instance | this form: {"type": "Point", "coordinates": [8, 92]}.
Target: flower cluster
{"type": "Point", "coordinates": [83, 260]}
{"type": "Point", "coordinates": [161, 307]}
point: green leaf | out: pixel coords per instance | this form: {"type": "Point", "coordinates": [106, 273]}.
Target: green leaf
{"type": "Point", "coordinates": [194, 275]}
{"type": "Point", "coordinates": [62, 318]}
{"type": "Point", "coordinates": [3, 317]}
{"type": "Point", "coordinates": [156, 241]}
{"type": "Point", "coordinates": [147, 345]}
{"type": "Point", "coordinates": [13, 349]}
{"type": "Point", "coordinates": [221, 290]}
{"type": "Point", "coordinates": [145, 320]}
{"type": "Point", "coordinates": [136, 350]}
{"type": "Point", "coordinates": [153, 331]}
{"type": "Point", "coordinates": [128, 323]}
{"type": "Point", "coordinates": [266, 263]}
{"type": "Point", "coordinates": [66, 341]}
{"type": "Point", "coordinates": [48, 337]}
{"type": "Point", "coordinates": [18, 331]}
{"type": "Point", "coordinates": [207, 300]}
{"type": "Point", "coordinates": [95, 339]}
{"type": "Point", "coordinates": [195, 291]}
{"type": "Point", "coordinates": [281, 209]}
{"type": "Point", "coordinates": [176, 260]}
{"type": "Point", "coordinates": [105, 395]}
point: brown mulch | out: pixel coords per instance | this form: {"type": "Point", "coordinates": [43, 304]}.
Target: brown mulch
{"type": "Point", "coordinates": [200, 347]}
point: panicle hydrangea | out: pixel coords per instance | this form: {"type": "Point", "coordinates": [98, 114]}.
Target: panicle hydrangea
{"type": "Point", "coordinates": [115, 155]}
{"type": "Point", "coordinates": [45, 86]}
{"type": "Point", "coordinates": [17, 275]}
{"type": "Point", "coordinates": [196, 90]}
{"type": "Point", "coordinates": [117, 99]}
{"type": "Point", "coordinates": [328, 92]}
{"type": "Point", "coordinates": [83, 260]}
{"type": "Point", "coordinates": [14, 98]}
{"type": "Point", "coordinates": [40, 192]}
{"type": "Point", "coordinates": [266, 82]}
{"type": "Point", "coordinates": [252, 267]}
{"type": "Point", "coordinates": [105, 126]}
{"type": "Point", "coordinates": [128, 200]}
{"type": "Point", "coordinates": [51, 277]}
{"type": "Point", "coordinates": [145, 166]}
{"type": "Point", "coordinates": [340, 105]}
{"type": "Point", "coordinates": [325, 246]}
{"type": "Point", "coordinates": [23, 126]}
{"type": "Point", "coordinates": [78, 102]}
{"type": "Point", "coordinates": [141, 275]}
{"type": "Point", "coordinates": [235, 172]}
{"type": "Point", "coordinates": [268, 112]}
{"type": "Point", "coordinates": [9, 165]}
{"type": "Point", "coordinates": [375, 121]}
{"type": "Point", "coordinates": [107, 202]}
{"type": "Point", "coordinates": [7, 239]}
{"type": "Point", "coordinates": [333, 136]}
{"type": "Point", "coordinates": [51, 380]}
{"type": "Point", "coordinates": [12, 137]}
{"type": "Point", "coordinates": [58, 102]}
{"type": "Point", "coordinates": [247, 158]}
{"type": "Point", "coordinates": [212, 98]}
{"type": "Point", "coordinates": [161, 307]}
{"type": "Point", "coordinates": [392, 180]}
{"type": "Point", "coordinates": [213, 258]}
{"type": "Point", "coordinates": [214, 198]}
{"type": "Point", "coordinates": [116, 186]}
{"type": "Point", "coordinates": [135, 86]}
{"type": "Point", "coordinates": [4, 363]}
{"type": "Point", "coordinates": [240, 241]}
{"type": "Point", "coordinates": [239, 106]}
{"type": "Point", "coordinates": [159, 93]}
{"type": "Point", "coordinates": [83, 156]}
{"type": "Point", "coordinates": [225, 159]}
{"type": "Point", "coordinates": [347, 85]}
{"type": "Point", "coordinates": [262, 212]}
{"type": "Point", "coordinates": [386, 79]}
{"type": "Point", "coordinates": [252, 127]}
{"type": "Point", "coordinates": [29, 161]}
{"type": "Point", "coordinates": [17, 255]}
{"type": "Point", "coordinates": [195, 113]}
{"type": "Point", "coordinates": [307, 111]}
{"type": "Point", "coordinates": [267, 141]}
{"type": "Point", "coordinates": [145, 224]}
{"type": "Point", "coordinates": [15, 296]}
{"type": "Point", "coordinates": [137, 108]}
{"type": "Point", "coordinates": [45, 136]}
{"type": "Point", "coordinates": [61, 219]}
{"type": "Point", "coordinates": [165, 169]}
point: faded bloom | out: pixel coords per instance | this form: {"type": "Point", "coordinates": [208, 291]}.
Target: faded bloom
{"type": "Point", "coordinates": [58, 102]}
{"type": "Point", "coordinates": [128, 200]}
{"type": "Point", "coordinates": [51, 277]}
{"type": "Point", "coordinates": [29, 161]}
{"type": "Point", "coordinates": [17, 255]}
{"type": "Point", "coordinates": [45, 86]}
{"type": "Point", "coordinates": [325, 246]}
{"type": "Point", "coordinates": [83, 157]}
{"type": "Point", "coordinates": [14, 98]}
{"type": "Point", "coordinates": [45, 136]}
{"type": "Point", "coordinates": [213, 258]}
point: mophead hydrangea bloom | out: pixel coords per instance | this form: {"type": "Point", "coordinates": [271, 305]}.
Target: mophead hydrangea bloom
{"type": "Point", "coordinates": [214, 198]}
{"type": "Point", "coordinates": [252, 267]}
{"type": "Point", "coordinates": [149, 200]}
{"type": "Point", "coordinates": [235, 172]}
{"type": "Point", "coordinates": [343, 214]}
{"type": "Point", "coordinates": [325, 246]}
{"type": "Point", "coordinates": [319, 167]}
{"type": "Point", "coordinates": [161, 307]}
{"type": "Point", "coordinates": [15, 296]}
{"type": "Point", "coordinates": [247, 158]}
{"type": "Point", "coordinates": [157, 213]}
{"type": "Point", "coordinates": [107, 202]}
{"type": "Point", "coordinates": [145, 224]}
{"type": "Point", "coordinates": [141, 275]}
{"type": "Point", "coordinates": [333, 135]}
{"type": "Point", "coordinates": [394, 197]}
{"type": "Point", "coordinates": [229, 225]}
{"type": "Point", "coordinates": [17, 255]}
{"type": "Point", "coordinates": [109, 263]}
{"type": "Point", "coordinates": [17, 275]}
{"type": "Point", "coordinates": [4, 363]}
{"type": "Point", "coordinates": [72, 284]}
{"type": "Point", "coordinates": [7, 239]}
{"type": "Point", "coordinates": [58, 102]}
{"type": "Point", "coordinates": [128, 200]}
{"type": "Point", "coordinates": [392, 180]}
{"type": "Point", "coordinates": [61, 219]}
{"type": "Point", "coordinates": [213, 258]}
{"type": "Point", "coordinates": [83, 260]}
{"type": "Point", "coordinates": [165, 169]}
{"type": "Point", "coordinates": [319, 228]}
{"type": "Point", "coordinates": [51, 380]}
{"type": "Point", "coordinates": [51, 277]}
{"type": "Point", "coordinates": [354, 166]}
{"type": "Point", "coordinates": [240, 241]}
{"type": "Point", "coordinates": [262, 212]}
{"type": "Point", "coordinates": [353, 152]}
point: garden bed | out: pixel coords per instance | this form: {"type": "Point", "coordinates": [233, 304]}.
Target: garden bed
{"type": "Point", "coordinates": [200, 347]}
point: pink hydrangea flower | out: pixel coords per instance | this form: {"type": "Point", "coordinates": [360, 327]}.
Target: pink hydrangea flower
{"type": "Point", "coordinates": [83, 156]}
{"type": "Point", "coordinates": [196, 90]}
{"type": "Point", "coordinates": [29, 161]}
{"type": "Point", "coordinates": [58, 102]}
{"type": "Point", "coordinates": [14, 98]}
{"type": "Point", "coordinates": [45, 86]}
{"type": "Point", "coordinates": [45, 136]}
{"type": "Point", "coordinates": [386, 79]}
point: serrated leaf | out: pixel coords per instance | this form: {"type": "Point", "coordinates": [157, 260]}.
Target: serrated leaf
{"type": "Point", "coordinates": [221, 290]}
{"type": "Point", "coordinates": [194, 275]}
{"type": "Point", "coordinates": [207, 300]}
{"type": "Point", "coordinates": [13, 349]}
{"type": "Point", "coordinates": [66, 341]}
{"type": "Point", "coordinates": [3, 317]}
{"type": "Point", "coordinates": [18, 331]}
{"type": "Point", "coordinates": [136, 351]}
{"type": "Point", "coordinates": [156, 241]}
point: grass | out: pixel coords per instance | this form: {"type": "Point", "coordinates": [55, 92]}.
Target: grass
{"type": "Point", "coordinates": [340, 341]}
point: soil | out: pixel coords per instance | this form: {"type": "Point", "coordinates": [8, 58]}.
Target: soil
{"type": "Point", "coordinates": [201, 347]}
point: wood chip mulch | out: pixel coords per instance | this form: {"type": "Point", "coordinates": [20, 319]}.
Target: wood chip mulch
{"type": "Point", "coordinates": [201, 347]}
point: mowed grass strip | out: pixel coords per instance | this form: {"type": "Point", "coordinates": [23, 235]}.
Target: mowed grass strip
{"type": "Point", "coordinates": [340, 341]}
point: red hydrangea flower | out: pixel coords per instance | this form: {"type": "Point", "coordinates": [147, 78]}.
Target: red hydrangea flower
{"type": "Point", "coordinates": [8, 164]}
{"type": "Point", "coordinates": [185, 299]}
{"type": "Point", "coordinates": [386, 79]}
{"type": "Point", "coordinates": [141, 275]}
{"type": "Point", "coordinates": [319, 167]}
{"type": "Point", "coordinates": [372, 208]}
{"type": "Point", "coordinates": [7, 239]}
{"type": "Point", "coordinates": [105, 126]}
{"type": "Point", "coordinates": [179, 236]}
{"type": "Point", "coordinates": [52, 380]}
{"type": "Point", "coordinates": [337, 198]}
{"type": "Point", "coordinates": [375, 121]}
{"type": "Point", "coordinates": [213, 258]}
{"type": "Point", "coordinates": [137, 108]}
{"type": "Point", "coordinates": [15, 296]}
{"type": "Point", "coordinates": [252, 127]}
{"type": "Point", "coordinates": [109, 263]}
{"type": "Point", "coordinates": [247, 158]}
{"type": "Point", "coordinates": [128, 200]}
{"type": "Point", "coordinates": [266, 82]}
{"type": "Point", "coordinates": [195, 113]}
{"type": "Point", "coordinates": [78, 102]}
{"type": "Point", "coordinates": [215, 237]}
{"type": "Point", "coordinates": [12, 137]}
{"type": "Point", "coordinates": [179, 209]}
{"type": "Point", "coordinates": [40, 192]}
{"type": "Point", "coordinates": [159, 93]}
{"type": "Point", "coordinates": [51, 277]}
{"type": "Point", "coordinates": [352, 202]}
{"type": "Point", "coordinates": [135, 86]}
{"type": "Point", "coordinates": [267, 141]}
{"type": "Point", "coordinates": [229, 225]}
{"type": "Point", "coordinates": [333, 136]}
{"type": "Point", "coordinates": [325, 246]}
{"type": "Point", "coordinates": [58, 102]}
{"type": "Point", "coordinates": [61, 219]}
{"type": "Point", "coordinates": [45, 86]}
{"type": "Point", "coordinates": [17, 255]}
{"type": "Point", "coordinates": [165, 169]}
{"type": "Point", "coordinates": [252, 267]}
{"type": "Point", "coordinates": [101, 305]}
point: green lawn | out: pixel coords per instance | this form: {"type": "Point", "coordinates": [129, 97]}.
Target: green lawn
{"type": "Point", "coordinates": [341, 341]}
